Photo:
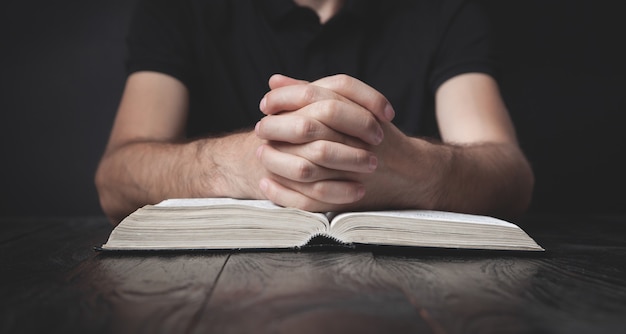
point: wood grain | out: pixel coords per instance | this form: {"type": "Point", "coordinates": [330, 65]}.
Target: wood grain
{"type": "Point", "coordinates": [58, 279]}
{"type": "Point", "coordinates": [54, 282]}
{"type": "Point", "coordinates": [308, 292]}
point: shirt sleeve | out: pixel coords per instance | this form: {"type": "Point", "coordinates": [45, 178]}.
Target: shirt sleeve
{"type": "Point", "coordinates": [159, 39]}
{"type": "Point", "coordinates": [466, 45]}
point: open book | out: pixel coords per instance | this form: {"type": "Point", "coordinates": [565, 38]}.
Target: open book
{"type": "Point", "coordinates": [223, 223]}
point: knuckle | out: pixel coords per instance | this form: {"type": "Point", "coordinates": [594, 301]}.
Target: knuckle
{"type": "Point", "coordinates": [362, 157]}
{"type": "Point", "coordinates": [342, 80]}
{"type": "Point", "coordinates": [306, 129]}
{"type": "Point", "coordinates": [332, 105]}
{"type": "Point", "coordinates": [304, 171]}
{"type": "Point", "coordinates": [318, 190]}
{"type": "Point", "coordinates": [309, 94]}
{"type": "Point", "coordinates": [327, 110]}
{"type": "Point", "coordinates": [320, 151]}
{"type": "Point", "coordinates": [270, 192]}
{"type": "Point", "coordinates": [337, 193]}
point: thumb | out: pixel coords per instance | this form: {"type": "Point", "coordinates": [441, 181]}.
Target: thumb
{"type": "Point", "coordinates": [279, 80]}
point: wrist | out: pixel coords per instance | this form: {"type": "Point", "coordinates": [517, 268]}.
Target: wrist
{"type": "Point", "coordinates": [227, 166]}
{"type": "Point", "coordinates": [427, 173]}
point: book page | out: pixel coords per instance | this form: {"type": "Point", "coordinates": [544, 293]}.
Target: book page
{"type": "Point", "coordinates": [430, 229]}
{"type": "Point", "coordinates": [432, 215]}
{"type": "Point", "coordinates": [232, 202]}
{"type": "Point", "coordinates": [216, 223]}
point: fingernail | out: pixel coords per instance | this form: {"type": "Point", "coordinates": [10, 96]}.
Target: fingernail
{"type": "Point", "coordinates": [262, 104]}
{"type": "Point", "coordinates": [360, 192]}
{"type": "Point", "coordinates": [379, 136]}
{"type": "Point", "coordinates": [389, 112]}
{"type": "Point", "coordinates": [373, 163]}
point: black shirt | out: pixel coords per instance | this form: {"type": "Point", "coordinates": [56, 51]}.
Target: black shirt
{"type": "Point", "coordinates": [224, 51]}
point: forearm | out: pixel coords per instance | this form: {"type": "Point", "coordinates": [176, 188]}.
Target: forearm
{"type": "Point", "coordinates": [146, 172]}
{"type": "Point", "coordinates": [489, 178]}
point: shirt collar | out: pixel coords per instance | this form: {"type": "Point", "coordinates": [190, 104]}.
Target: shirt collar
{"type": "Point", "coordinates": [276, 10]}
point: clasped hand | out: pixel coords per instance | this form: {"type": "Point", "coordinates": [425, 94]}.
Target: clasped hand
{"type": "Point", "coordinates": [322, 141]}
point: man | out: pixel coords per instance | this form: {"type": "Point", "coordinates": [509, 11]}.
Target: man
{"type": "Point", "coordinates": [360, 80]}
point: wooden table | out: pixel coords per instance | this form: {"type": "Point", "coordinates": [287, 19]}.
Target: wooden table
{"type": "Point", "coordinates": [53, 281]}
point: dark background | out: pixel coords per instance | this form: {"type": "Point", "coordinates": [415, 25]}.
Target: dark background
{"type": "Point", "coordinates": [61, 77]}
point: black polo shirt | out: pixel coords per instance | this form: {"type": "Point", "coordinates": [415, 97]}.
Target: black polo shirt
{"type": "Point", "coordinates": [224, 51]}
